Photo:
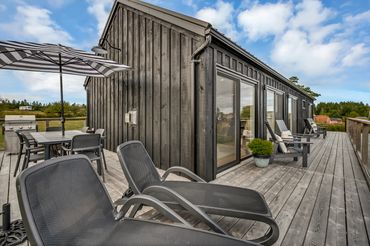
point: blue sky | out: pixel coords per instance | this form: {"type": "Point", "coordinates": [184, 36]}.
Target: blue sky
{"type": "Point", "coordinates": [325, 43]}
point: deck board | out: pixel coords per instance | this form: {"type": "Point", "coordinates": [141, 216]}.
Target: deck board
{"type": "Point", "coordinates": [324, 204]}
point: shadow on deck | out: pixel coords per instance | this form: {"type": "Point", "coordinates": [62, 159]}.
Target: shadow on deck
{"type": "Point", "coordinates": [327, 203]}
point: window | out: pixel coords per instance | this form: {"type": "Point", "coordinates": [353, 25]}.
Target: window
{"type": "Point", "coordinates": [292, 114]}
{"type": "Point", "coordinates": [247, 117]}
{"type": "Point", "coordinates": [303, 104]}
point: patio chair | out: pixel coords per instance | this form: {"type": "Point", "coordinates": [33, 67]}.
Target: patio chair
{"type": "Point", "coordinates": [63, 202]}
{"type": "Point", "coordinates": [102, 137]}
{"type": "Point", "coordinates": [287, 135]}
{"type": "Point", "coordinates": [32, 154]}
{"type": "Point", "coordinates": [84, 129]}
{"type": "Point", "coordinates": [312, 128]}
{"type": "Point", "coordinates": [21, 147]}
{"type": "Point", "coordinates": [88, 145]}
{"type": "Point", "coordinates": [197, 197]}
{"type": "Point", "coordinates": [299, 149]}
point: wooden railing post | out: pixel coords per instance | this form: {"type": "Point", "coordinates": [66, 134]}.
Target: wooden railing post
{"type": "Point", "coordinates": [365, 145]}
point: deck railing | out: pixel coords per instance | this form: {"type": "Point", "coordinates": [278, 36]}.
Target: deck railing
{"type": "Point", "coordinates": [358, 131]}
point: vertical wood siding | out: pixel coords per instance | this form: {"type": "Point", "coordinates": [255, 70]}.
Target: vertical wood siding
{"type": "Point", "coordinates": [159, 88]}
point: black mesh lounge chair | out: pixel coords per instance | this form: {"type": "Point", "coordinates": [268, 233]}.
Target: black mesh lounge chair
{"type": "Point", "coordinates": [287, 135]}
{"type": "Point", "coordinates": [199, 198]}
{"type": "Point", "coordinates": [63, 202]}
{"type": "Point", "coordinates": [282, 148]}
{"type": "Point", "coordinates": [312, 128]}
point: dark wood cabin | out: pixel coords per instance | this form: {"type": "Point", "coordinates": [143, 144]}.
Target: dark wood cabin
{"type": "Point", "coordinates": [193, 96]}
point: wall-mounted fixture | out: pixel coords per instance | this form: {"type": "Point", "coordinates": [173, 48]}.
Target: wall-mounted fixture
{"type": "Point", "coordinates": [131, 117]}
{"type": "Point", "coordinates": [100, 50]}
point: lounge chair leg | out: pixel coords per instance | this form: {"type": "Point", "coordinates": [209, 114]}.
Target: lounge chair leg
{"type": "Point", "coordinates": [18, 160]}
{"type": "Point", "coordinates": [24, 162]}
{"type": "Point", "coordinates": [304, 156]}
{"type": "Point", "coordinates": [105, 162]}
{"type": "Point", "coordinates": [295, 158]}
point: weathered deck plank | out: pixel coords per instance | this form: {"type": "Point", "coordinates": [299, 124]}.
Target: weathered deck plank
{"type": "Point", "coordinates": [324, 204]}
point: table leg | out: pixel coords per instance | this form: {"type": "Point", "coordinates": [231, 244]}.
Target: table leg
{"type": "Point", "coordinates": [47, 152]}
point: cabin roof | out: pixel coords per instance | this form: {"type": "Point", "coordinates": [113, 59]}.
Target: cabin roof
{"type": "Point", "coordinates": [196, 26]}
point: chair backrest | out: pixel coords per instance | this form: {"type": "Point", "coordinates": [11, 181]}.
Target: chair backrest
{"type": "Point", "coordinates": [272, 133]}
{"type": "Point", "coordinates": [85, 142]}
{"type": "Point", "coordinates": [84, 129]}
{"type": "Point", "coordinates": [285, 133]}
{"type": "Point", "coordinates": [20, 137]}
{"type": "Point", "coordinates": [61, 198]}
{"type": "Point", "coordinates": [25, 140]}
{"type": "Point", "coordinates": [53, 129]}
{"type": "Point", "coordinates": [311, 125]}
{"type": "Point", "coordinates": [100, 131]}
{"type": "Point", "coordinates": [137, 166]}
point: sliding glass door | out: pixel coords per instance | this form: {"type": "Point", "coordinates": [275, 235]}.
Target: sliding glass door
{"type": "Point", "coordinates": [292, 114]}
{"type": "Point", "coordinates": [247, 117]}
{"type": "Point", "coordinates": [235, 119]}
{"type": "Point", "coordinates": [226, 120]}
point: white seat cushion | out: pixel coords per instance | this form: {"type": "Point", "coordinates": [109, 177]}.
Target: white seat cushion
{"type": "Point", "coordinates": [287, 135]}
{"type": "Point", "coordinates": [281, 144]}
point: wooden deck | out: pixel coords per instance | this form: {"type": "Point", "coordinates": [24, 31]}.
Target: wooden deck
{"type": "Point", "coordinates": [327, 203]}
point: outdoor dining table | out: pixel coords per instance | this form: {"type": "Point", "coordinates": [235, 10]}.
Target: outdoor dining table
{"type": "Point", "coordinates": [47, 139]}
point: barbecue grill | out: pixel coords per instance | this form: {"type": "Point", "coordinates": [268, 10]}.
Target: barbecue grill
{"type": "Point", "coordinates": [13, 123]}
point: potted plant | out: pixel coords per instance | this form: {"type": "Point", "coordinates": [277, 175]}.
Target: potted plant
{"type": "Point", "coordinates": [261, 150]}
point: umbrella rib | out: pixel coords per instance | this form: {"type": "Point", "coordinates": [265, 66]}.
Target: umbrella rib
{"type": "Point", "coordinates": [50, 59]}
{"type": "Point", "coordinates": [77, 58]}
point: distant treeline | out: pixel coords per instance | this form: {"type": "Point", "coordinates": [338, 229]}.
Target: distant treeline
{"type": "Point", "coordinates": [42, 109]}
{"type": "Point", "coordinates": [342, 109]}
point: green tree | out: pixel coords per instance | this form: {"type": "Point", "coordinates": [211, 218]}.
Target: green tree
{"type": "Point", "coordinates": [295, 81]}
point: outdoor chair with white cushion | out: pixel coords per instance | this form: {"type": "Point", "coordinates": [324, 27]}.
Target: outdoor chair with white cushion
{"type": "Point", "coordinates": [63, 202]}
{"type": "Point", "coordinates": [312, 128]}
{"type": "Point", "coordinates": [199, 198]}
{"type": "Point", "coordinates": [281, 150]}
{"type": "Point", "coordinates": [287, 135]}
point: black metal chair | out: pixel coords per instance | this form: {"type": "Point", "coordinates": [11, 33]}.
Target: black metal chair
{"type": "Point", "coordinates": [63, 202]}
{"type": "Point", "coordinates": [102, 137]}
{"type": "Point", "coordinates": [21, 146]}
{"type": "Point", "coordinates": [88, 145]}
{"type": "Point", "coordinates": [32, 154]}
{"type": "Point", "coordinates": [84, 129]}
{"type": "Point", "coordinates": [287, 135]}
{"type": "Point", "coordinates": [312, 128]}
{"type": "Point", "coordinates": [299, 149]}
{"type": "Point", "coordinates": [198, 198]}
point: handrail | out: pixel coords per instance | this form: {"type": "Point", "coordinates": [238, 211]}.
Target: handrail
{"type": "Point", "coordinates": [358, 131]}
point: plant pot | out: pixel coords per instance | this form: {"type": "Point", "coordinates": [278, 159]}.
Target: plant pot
{"type": "Point", "coordinates": [261, 160]}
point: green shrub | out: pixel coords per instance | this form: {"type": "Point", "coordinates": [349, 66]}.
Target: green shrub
{"type": "Point", "coordinates": [260, 147]}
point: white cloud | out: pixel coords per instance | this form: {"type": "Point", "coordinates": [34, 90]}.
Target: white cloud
{"type": "Point", "coordinates": [100, 10]}
{"type": "Point", "coordinates": [36, 24]}
{"type": "Point", "coordinates": [356, 55]}
{"type": "Point", "coordinates": [359, 18]}
{"type": "Point", "coordinates": [310, 14]}
{"type": "Point", "coordinates": [49, 82]}
{"type": "Point", "coordinates": [296, 53]}
{"type": "Point", "coordinates": [221, 17]}
{"type": "Point", "coordinates": [2, 7]}
{"type": "Point", "coordinates": [263, 20]}
{"type": "Point", "coordinates": [190, 3]}
{"type": "Point", "coordinates": [311, 46]}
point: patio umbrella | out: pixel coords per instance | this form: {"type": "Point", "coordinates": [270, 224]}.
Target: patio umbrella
{"type": "Point", "coordinates": [55, 58]}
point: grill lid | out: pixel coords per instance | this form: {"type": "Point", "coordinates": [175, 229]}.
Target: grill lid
{"type": "Point", "coordinates": [14, 122]}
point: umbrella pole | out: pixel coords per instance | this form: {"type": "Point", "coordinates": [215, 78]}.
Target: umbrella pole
{"type": "Point", "coordinates": [61, 93]}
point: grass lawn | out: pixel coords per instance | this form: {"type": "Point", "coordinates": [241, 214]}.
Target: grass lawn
{"type": "Point", "coordinates": [69, 125]}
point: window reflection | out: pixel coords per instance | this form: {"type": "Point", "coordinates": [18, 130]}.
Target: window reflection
{"type": "Point", "coordinates": [225, 118]}
{"type": "Point", "coordinates": [247, 116]}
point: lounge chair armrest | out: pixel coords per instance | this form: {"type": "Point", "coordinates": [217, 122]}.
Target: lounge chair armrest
{"type": "Point", "coordinates": [140, 200]}
{"type": "Point", "coordinates": [185, 171]}
{"type": "Point", "coordinates": [297, 142]}
{"type": "Point", "coordinates": [187, 205]}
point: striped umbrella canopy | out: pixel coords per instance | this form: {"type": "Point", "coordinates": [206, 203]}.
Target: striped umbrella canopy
{"type": "Point", "coordinates": [55, 58]}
